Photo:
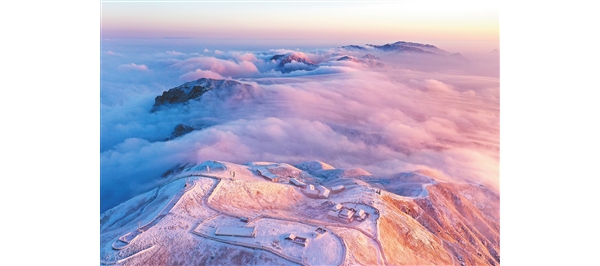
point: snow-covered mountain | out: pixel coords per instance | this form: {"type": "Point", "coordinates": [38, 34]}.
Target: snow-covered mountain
{"type": "Point", "coordinates": [401, 46]}
{"type": "Point", "coordinates": [265, 213]}
{"type": "Point", "coordinates": [367, 60]}
{"type": "Point", "coordinates": [293, 61]}
{"type": "Point", "coordinates": [194, 90]}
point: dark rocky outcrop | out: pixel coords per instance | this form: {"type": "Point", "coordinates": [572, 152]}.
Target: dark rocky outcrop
{"type": "Point", "coordinates": [180, 130]}
{"type": "Point", "coordinates": [370, 57]}
{"type": "Point", "coordinates": [353, 47]}
{"type": "Point", "coordinates": [175, 170]}
{"type": "Point", "coordinates": [192, 90]}
{"type": "Point", "coordinates": [349, 58]}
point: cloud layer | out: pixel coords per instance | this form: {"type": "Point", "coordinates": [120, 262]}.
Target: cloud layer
{"type": "Point", "coordinates": [434, 114]}
{"type": "Point", "coordinates": [133, 66]}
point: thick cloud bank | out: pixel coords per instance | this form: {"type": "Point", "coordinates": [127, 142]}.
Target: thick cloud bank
{"type": "Point", "coordinates": [410, 112]}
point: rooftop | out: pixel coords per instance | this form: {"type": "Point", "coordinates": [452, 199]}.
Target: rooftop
{"type": "Point", "coordinates": [236, 231]}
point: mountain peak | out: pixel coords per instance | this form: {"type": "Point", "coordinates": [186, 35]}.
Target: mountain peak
{"type": "Point", "coordinates": [368, 60]}
{"type": "Point", "coordinates": [191, 90]}
{"type": "Point", "coordinates": [285, 62]}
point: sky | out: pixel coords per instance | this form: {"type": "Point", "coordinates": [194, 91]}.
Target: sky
{"type": "Point", "coordinates": [466, 24]}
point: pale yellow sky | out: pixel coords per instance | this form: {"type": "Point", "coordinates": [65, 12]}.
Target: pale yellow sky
{"type": "Point", "coordinates": [350, 22]}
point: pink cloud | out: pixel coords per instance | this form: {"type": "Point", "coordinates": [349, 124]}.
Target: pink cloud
{"type": "Point", "coordinates": [199, 73]}
{"type": "Point", "coordinates": [133, 66]}
{"type": "Point", "coordinates": [219, 66]}
{"type": "Point", "coordinates": [433, 85]}
{"type": "Point", "coordinates": [247, 57]}
{"type": "Point", "coordinates": [385, 122]}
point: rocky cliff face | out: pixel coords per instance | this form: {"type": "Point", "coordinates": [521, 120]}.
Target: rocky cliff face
{"type": "Point", "coordinates": [180, 130]}
{"type": "Point", "coordinates": [192, 90]}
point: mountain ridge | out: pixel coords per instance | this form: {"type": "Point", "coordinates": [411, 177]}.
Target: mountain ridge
{"type": "Point", "coordinates": [176, 221]}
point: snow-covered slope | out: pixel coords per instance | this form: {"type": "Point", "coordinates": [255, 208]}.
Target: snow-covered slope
{"type": "Point", "coordinates": [193, 219]}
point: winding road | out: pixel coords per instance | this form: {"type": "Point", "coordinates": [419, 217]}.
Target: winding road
{"type": "Point", "coordinates": [131, 236]}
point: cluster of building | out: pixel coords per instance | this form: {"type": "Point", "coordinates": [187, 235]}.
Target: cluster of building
{"type": "Point", "coordinates": [318, 191]}
{"type": "Point", "coordinates": [313, 191]}
{"type": "Point", "coordinates": [321, 191]}
{"type": "Point", "coordinates": [345, 214]}
{"type": "Point", "coordinates": [303, 241]}
{"type": "Point", "coordinates": [241, 231]}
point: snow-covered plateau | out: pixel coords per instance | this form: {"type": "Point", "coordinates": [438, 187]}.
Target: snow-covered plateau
{"type": "Point", "coordinates": [220, 213]}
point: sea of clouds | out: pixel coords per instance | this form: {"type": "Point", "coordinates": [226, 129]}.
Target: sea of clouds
{"type": "Point", "coordinates": [416, 112]}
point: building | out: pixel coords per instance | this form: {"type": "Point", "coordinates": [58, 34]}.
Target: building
{"type": "Point", "coordinates": [346, 215]}
{"type": "Point", "coordinates": [337, 189]}
{"type": "Point", "coordinates": [310, 191]}
{"type": "Point", "coordinates": [323, 192]}
{"type": "Point", "coordinates": [297, 182]}
{"type": "Point", "coordinates": [236, 231]}
{"type": "Point", "coordinates": [320, 230]}
{"type": "Point", "coordinates": [338, 207]}
{"type": "Point", "coordinates": [265, 173]}
{"type": "Point", "coordinates": [360, 215]}
{"type": "Point", "coordinates": [302, 241]}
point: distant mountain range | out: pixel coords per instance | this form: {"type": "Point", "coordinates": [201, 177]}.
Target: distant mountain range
{"type": "Point", "coordinates": [294, 61]}
{"type": "Point", "coordinates": [400, 46]}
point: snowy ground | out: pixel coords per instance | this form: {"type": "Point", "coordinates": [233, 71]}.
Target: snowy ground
{"type": "Point", "coordinates": [321, 249]}
{"type": "Point", "coordinates": [182, 213]}
{"type": "Point", "coordinates": [181, 217]}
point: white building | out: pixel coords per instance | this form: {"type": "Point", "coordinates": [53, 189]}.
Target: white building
{"type": "Point", "coordinates": [297, 182]}
{"type": "Point", "coordinates": [302, 241]}
{"type": "Point", "coordinates": [236, 231]}
{"type": "Point", "coordinates": [337, 189]}
{"type": "Point", "coordinates": [360, 215]}
{"type": "Point", "coordinates": [323, 192]}
{"type": "Point", "coordinates": [338, 207]}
